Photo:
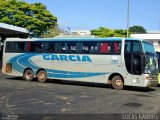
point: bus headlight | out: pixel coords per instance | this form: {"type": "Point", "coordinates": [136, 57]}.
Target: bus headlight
{"type": "Point", "coordinates": [147, 77]}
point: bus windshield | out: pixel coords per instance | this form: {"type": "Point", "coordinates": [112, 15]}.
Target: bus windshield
{"type": "Point", "coordinates": [151, 64]}
{"type": "Point", "coordinates": [148, 48]}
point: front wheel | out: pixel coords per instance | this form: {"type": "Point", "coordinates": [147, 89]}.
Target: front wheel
{"type": "Point", "coordinates": [42, 76]}
{"type": "Point", "coordinates": [117, 83]}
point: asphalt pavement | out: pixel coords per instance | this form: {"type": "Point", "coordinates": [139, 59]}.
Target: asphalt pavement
{"type": "Point", "coordinates": [74, 100]}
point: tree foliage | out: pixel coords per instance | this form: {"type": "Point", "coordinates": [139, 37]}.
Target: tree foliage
{"type": "Point", "coordinates": [102, 32]}
{"type": "Point", "coordinates": [106, 32]}
{"type": "Point", "coordinates": [35, 17]}
{"type": "Point", "coordinates": [52, 32]}
{"type": "Point", "coordinates": [137, 29]}
{"type": "Point", "coordinates": [120, 33]}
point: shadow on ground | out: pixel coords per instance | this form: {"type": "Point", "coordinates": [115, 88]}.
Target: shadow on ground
{"type": "Point", "coordinates": [88, 84]}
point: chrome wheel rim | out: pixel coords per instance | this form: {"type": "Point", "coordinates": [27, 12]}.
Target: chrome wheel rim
{"type": "Point", "coordinates": [28, 76]}
{"type": "Point", "coordinates": [42, 76]}
{"type": "Point", "coordinates": [119, 82]}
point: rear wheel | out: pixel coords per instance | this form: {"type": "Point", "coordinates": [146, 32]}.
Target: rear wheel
{"type": "Point", "coordinates": [117, 83]}
{"type": "Point", "coordinates": [42, 76]}
{"type": "Point", "coordinates": [28, 75]}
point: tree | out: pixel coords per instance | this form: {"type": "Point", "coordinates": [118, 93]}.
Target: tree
{"type": "Point", "coordinates": [137, 29]}
{"type": "Point", "coordinates": [35, 17]}
{"type": "Point", "coordinates": [51, 32]}
{"type": "Point", "coordinates": [120, 33]}
{"type": "Point", "coordinates": [102, 32]}
{"type": "Point", "coordinates": [106, 32]}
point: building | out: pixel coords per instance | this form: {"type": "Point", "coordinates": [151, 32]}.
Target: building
{"type": "Point", "coordinates": [153, 37]}
{"type": "Point", "coordinates": [7, 30]}
{"type": "Point", "coordinates": [80, 32]}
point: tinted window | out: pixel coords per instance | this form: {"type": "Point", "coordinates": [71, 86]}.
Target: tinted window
{"type": "Point", "coordinates": [90, 47]}
{"type": "Point", "coordinates": [128, 46]}
{"type": "Point", "coordinates": [61, 47]}
{"type": "Point", "coordinates": [64, 47]}
{"type": "Point", "coordinates": [116, 47]}
{"type": "Point", "coordinates": [72, 47]}
{"type": "Point", "coordinates": [49, 47]}
{"type": "Point", "coordinates": [105, 47]}
{"type": "Point", "coordinates": [136, 46]}
{"type": "Point", "coordinates": [16, 47]}
{"type": "Point", "coordinates": [132, 46]}
{"type": "Point", "coordinates": [110, 47]}
{"type": "Point", "coordinates": [36, 47]}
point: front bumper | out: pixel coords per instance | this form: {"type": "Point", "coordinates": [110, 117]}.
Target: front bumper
{"type": "Point", "coordinates": [153, 83]}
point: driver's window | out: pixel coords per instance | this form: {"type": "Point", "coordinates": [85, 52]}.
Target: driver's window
{"type": "Point", "coordinates": [128, 47]}
{"type": "Point", "coordinates": [136, 46]}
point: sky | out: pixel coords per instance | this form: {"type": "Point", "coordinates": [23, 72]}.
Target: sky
{"type": "Point", "coordinates": [92, 14]}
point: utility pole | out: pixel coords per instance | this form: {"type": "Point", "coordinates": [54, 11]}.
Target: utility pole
{"type": "Point", "coordinates": [128, 18]}
{"type": "Point", "coordinates": [159, 25]}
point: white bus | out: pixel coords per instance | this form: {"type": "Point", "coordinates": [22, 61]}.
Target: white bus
{"type": "Point", "coordinates": [115, 61]}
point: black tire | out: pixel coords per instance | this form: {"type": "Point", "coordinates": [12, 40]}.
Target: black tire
{"type": "Point", "coordinates": [28, 75]}
{"type": "Point", "coordinates": [117, 83]}
{"type": "Point", "coordinates": [42, 76]}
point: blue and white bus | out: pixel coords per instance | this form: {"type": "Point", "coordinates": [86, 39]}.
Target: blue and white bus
{"type": "Point", "coordinates": [115, 61]}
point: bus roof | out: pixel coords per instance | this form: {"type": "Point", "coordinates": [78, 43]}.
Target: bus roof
{"type": "Point", "coordinates": [72, 39]}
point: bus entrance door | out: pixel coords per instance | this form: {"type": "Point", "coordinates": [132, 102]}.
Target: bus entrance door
{"type": "Point", "coordinates": [136, 69]}
{"type": "Point", "coordinates": [133, 61]}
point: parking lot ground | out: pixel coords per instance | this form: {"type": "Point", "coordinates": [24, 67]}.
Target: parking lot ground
{"type": "Point", "coordinates": [69, 98]}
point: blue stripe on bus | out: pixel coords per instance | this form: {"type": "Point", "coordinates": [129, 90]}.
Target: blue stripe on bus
{"type": "Point", "coordinates": [74, 75]}
{"type": "Point", "coordinates": [23, 61]}
{"type": "Point", "coordinates": [80, 39]}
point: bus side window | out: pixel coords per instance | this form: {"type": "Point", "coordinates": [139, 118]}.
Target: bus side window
{"type": "Point", "coordinates": [46, 47]}
{"type": "Point", "coordinates": [49, 47]}
{"type": "Point", "coordinates": [36, 47]}
{"type": "Point", "coordinates": [136, 46]}
{"type": "Point", "coordinates": [57, 48]}
{"type": "Point", "coordinates": [79, 47]}
{"type": "Point", "coordinates": [85, 49]}
{"type": "Point", "coordinates": [64, 47]}
{"type": "Point", "coordinates": [72, 47]}
{"type": "Point", "coordinates": [22, 47]}
{"type": "Point", "coordinates": [97, 47]}
{"type": "Point", "coordinates": [104, 47]}
{"type": "Point", "coordinates": [127, 47]}
{"type": "Point", "coordinates": [90, 47]}
{"type": "Point", "coordinates": [17, 47]}
{"type": "Point", "coordinates": [12, 47]}
{"type": "Point", "coordinates": [116, 47]}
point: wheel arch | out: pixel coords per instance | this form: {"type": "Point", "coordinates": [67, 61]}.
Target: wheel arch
{"type": "Point", "coordinates": [40, 70]}
{"type": "Point", "coordinates": [27, 69]}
